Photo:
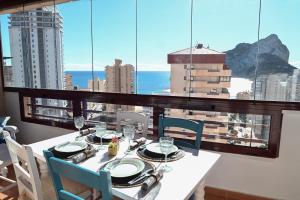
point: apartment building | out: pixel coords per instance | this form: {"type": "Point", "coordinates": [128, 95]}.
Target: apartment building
{"type": "Point", "coordinates": [36, 48]}
{"type": "Point", "coordinates": [208, 77]}
{"type": "Point", "coordinates": [119, 79]}
{"type": "Point", "coordinates": [36, 51]}
{"type": "Point", "coordinates": [68, 82]}
{"type": "Point", "coordinates": [97, 85]}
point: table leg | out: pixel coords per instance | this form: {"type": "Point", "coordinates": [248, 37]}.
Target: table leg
{"type": "Point", "coordinates": [43, 168]}
{"type": "Point", "coordinates": [200, 192]}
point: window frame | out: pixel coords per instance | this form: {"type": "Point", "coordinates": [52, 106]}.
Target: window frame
{"type": "Point", "coordinates": [158, 103]}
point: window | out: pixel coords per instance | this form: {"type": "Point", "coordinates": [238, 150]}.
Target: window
{"type": "Point", "coordinates": [169, 53]}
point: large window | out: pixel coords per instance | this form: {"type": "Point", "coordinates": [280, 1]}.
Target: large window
{"type": "Point", "coordinates": [229, 50]}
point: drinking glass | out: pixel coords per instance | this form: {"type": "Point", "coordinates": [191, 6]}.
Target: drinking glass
{"type": "Point", "coordinates": [140, 127]}
{"type": "Point", "coordinates": [101, 131]}
{"type": "Point", "coordinates": [79, 122]}
{"type": "Point", "coordinates": [129, 131]}
{"type": "Point", "coordinates": [166, 144]}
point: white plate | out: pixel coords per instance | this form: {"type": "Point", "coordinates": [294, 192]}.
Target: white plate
{"type": "Point", "coordinates": [109, 134]}
{"type": "Point", "coordinates": [71, 147]}
{"type": "Point", "coordinates": [125, 168]}
{"type": "Point", "coordinates": [155, 148]}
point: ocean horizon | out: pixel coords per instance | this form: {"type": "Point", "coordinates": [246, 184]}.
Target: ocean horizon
{"type": "Point", "coordinates": [154, 82]}
{"type": "Point", "coordinates": [148, 82]}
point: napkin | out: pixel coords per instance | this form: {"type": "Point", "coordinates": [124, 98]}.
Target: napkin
{"type": "Point", "coordinates": [138, 142]}
{"type": "Point", "coordinates": [90, 151]}
{"type": "Point", "coordinates": [87, 131]}
{"type": "Point", "coordinates": [151, 181]}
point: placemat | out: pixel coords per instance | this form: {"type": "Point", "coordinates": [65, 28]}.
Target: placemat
{"type": "Point", "coordinates": [153, 157]}
{"type": "Point", "coordinates": [126, 185]}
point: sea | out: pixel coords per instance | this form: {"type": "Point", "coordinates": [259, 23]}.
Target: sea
{"type": "Point", "coordinates": [148, 82]}
{"type": "Point", "coordinates": [154, 82]}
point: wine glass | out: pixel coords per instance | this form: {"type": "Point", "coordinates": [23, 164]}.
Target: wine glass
{"type": "Point", "coordinates": [129, 131]}
{"type": "Point", "coordinates": [166, 144]}
{"type": "Point", "coordinates": [79, 122]}
{"type": "Point", "coordinates": [101, 131]}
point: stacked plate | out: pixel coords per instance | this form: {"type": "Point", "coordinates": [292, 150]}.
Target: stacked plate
{"type": "Point", "coordinates": [124, 170]}
{"type": "Point", "coordinates": [67, 149]}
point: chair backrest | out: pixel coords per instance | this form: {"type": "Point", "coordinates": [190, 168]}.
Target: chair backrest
{"type": "Point", "coordinates": [57, 167]}
{"type": "Point", "coordinates": [27, 173]}
{"type": "Point", "coordinates": [136, 117]}
{"type": "Point", "coordinates": [196, 126]}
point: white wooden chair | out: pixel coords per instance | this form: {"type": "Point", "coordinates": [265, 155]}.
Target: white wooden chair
{"type": "Point", "coordinates": [28, 180]}
{"type": "Point", "coordinates": [5, 160]}
{"type": "Point", "coordinates": [4, 163]}
{"type": "Point", "coordinates": [135, 117]}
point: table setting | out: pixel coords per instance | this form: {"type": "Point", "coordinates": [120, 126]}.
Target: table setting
{"type": "Point", "coordinates": [137, 165]}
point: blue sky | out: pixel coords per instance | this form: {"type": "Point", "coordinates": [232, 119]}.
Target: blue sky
{"type": "Point", "coordinates": [164, 27]}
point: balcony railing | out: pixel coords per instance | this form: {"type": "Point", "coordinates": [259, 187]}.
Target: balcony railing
{"type": "Point", "coordinates": [268, 114]}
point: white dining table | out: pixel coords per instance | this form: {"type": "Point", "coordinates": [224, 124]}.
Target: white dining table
{"type": "Point", "coordinates": [187, 175]}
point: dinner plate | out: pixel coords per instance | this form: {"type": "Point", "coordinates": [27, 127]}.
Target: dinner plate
{"type": "Point", "coordinates": [127, 167]}
{"type": "Point", "coordinates": [155, 148]}
{"type": "Point", "coordinates": [70, 147]}
{"type": "Point", "coordinates": [109, 134]}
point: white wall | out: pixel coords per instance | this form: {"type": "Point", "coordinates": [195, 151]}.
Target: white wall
{"type": "Point", "coordinates": [276, 178]}
{"type": "Point", "coordinates": [29, 133]}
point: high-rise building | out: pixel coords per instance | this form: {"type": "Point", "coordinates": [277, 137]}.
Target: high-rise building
{"type": "Point", "coordinates": [119, 79]}
{"type": "Point", "coordinates": [8, 76]}
{"type": "Point", "coordinates": [207, 76]}
{"type": "Point", "coordinates": [68, 82]}
{"type": "Point", "coordinates": [37, 53]}
{"type": "Point", "coordinates": [272, 87]}
{"type": "Point", "coordinates": [99, 85]}
{"type": "Point", "coordinates": [36, 48]}
{"type": "Point", "coordinates": [294, 82]}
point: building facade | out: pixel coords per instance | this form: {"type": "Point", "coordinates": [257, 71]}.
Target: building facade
{"type": "Point", "coordinates": [207, 76]}
{"type": "Point", "coordinates": [68, 82]}
{"type": "Point", "coordinates": [37, 52]}
{"type": "Point", "coordinates": [119, 79]}
{"type": "Point", "coordinates": [97, 84]}
{"type": "Point", "coordinates": [36, 49]}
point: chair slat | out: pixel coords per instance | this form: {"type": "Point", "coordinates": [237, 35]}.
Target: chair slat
{"type": "Point", "coordinates": [28, 180]}
{"type": "Point", "coordinates": [196, 126]}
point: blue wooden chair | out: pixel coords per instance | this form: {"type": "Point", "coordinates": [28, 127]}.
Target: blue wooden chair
{"type": "Point", "coordinates": [196, 126]}
{"type": "Point", "coordinates": [58, 167]}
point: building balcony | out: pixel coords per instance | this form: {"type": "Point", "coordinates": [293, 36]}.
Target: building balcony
{"type": "Point", "coordinates": [207, 84]}
{"type": "Point", "coordinates": [210, 72]}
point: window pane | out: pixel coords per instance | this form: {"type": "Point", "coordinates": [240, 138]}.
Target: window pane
{"type": "Point", "coordinates": [35, 45]}
{"type": "Point", "coordinates": [76, 44]}
{"type": "Point", "coordinates": [227, 128]}
{"type": "Point", "coordinates": [159, 34]}
{"type": "Point", "coordinates": [278, 74]}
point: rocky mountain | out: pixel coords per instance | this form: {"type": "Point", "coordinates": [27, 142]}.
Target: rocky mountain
{"type": "Point", "coordinates": [273, 58]}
